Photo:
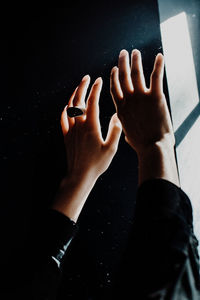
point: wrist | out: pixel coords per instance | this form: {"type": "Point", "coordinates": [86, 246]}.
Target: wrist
{"type": "Point", "coordinates": [157, 148]}
{"type": "Point", "coordinates": [75, 180]}
{"type": "Point", "coordinates": [72, 194]}
{"type": "Point", "coordinates": [158, 161]}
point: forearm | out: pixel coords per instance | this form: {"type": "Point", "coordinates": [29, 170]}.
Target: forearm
{"type": "Point", "coordinates": [72, 194]}
{"type": "Point", "coordinates": [158, 161]}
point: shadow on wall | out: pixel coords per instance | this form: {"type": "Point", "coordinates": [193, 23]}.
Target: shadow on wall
{"type": "Point", "coordinates": [187, 124]}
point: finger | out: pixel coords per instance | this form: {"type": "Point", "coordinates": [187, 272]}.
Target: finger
{"type": "Point", "coordinates": [124, 73]}
{"type": "Point", "coordinates": [71, 121]}
{"type": "Point", "coordinates": [64, 121]}
{"type": "Point", "coordinates": [79, 98]}
{"type": "Point", "coordinates": [92, 110]}
{"type": "Point", "coordinates": [70, 102]}
{"type": "Point", "coordinates": [156, 83]}
{"type": "Point", "coordinates": [115, 88]}
{"type": "Point", "coordinates": [137, 74]}
{"type": "Point", "coordinates": [114, 133]}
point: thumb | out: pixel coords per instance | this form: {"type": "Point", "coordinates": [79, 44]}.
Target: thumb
{"type": "Point", "coordinates": [64, 121]}
{"type": "Point", "coordinates": [114, 133]}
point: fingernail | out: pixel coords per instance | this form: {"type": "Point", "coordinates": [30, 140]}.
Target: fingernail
{"type": "Point", "coordinates": [135, 52]}
{"type": "Point", "coordinates": [159, 58]}
{"type": "Point", "coordinates": [122, 53]}
{"type": "Point", "coordinates": [113, 69]}
{"type": "Point", "coordinates": [86, 77]}
{"type": "Point", "coordinates": [160, 55]}
{"type": "Point", "coordinates": [98, 80]}
{"type": "Point", "coordinates": [118, 123]}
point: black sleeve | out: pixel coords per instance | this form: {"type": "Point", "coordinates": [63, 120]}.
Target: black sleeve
{"type": "Point", "coordinates": [53, 239]}
{"type": "Point", "coordinates": [162, 257]}
{"type": "Point", "coordinates": [37, 274]}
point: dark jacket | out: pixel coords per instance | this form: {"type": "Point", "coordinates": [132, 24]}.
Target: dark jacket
{"type": "Point", "coordinates": [162, 255]}
{"type": "Point", "coordinates": [161, 261]}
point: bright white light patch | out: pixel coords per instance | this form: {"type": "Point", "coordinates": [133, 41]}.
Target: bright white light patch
{"type": "Point", "coordinates": [180, 68]}
{"type": "Point", "coordinates": [184, 100]}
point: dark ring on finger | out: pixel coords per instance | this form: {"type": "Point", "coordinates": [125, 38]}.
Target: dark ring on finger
{"type": "Point", "coordinates": [75, 111]}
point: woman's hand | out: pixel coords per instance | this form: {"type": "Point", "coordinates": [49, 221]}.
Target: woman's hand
{"type": "Point", "coordinates": [88, 154]}
{"type": "Point", "coordinates": [142, 111]}
{"type": "Point", "coordinates": [145, 117]}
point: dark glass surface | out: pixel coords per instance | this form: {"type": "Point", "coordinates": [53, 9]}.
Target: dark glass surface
{"type": "Point", "coordinates": [46, 52]}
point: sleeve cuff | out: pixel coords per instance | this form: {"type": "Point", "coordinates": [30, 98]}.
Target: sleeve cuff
{"type": "Point", "coordinates": [160, 199]}
{"type": "Point", "coordinates": [56, 233]}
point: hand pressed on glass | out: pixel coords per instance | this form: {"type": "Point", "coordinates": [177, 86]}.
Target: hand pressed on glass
{"type": "Point", "coordinates": [145, 117]}
{"type": "Point", "coordinates": [142, 111]}
{"type": "Point", "coordinates": [88, 154]}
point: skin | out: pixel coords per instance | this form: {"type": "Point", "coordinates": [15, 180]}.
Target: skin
{"type": "Point", "coordinates": [88, 154]}
{"type": "Point", "coordinates": [145, 117]}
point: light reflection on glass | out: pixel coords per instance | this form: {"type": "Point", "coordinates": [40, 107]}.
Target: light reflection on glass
{"type": "Point", "coordinates": [185, 106]}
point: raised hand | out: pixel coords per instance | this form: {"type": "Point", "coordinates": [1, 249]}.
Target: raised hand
{"type": "Point", "coordinates": [142, 111]}
{"type": "Point", "coordinates": [88, 154]}
{"type": "Point", "coordinates": [145, 117]}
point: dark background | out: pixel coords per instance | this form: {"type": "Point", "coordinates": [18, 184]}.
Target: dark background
{"type": "Point", "coordinates": [46, 50]}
